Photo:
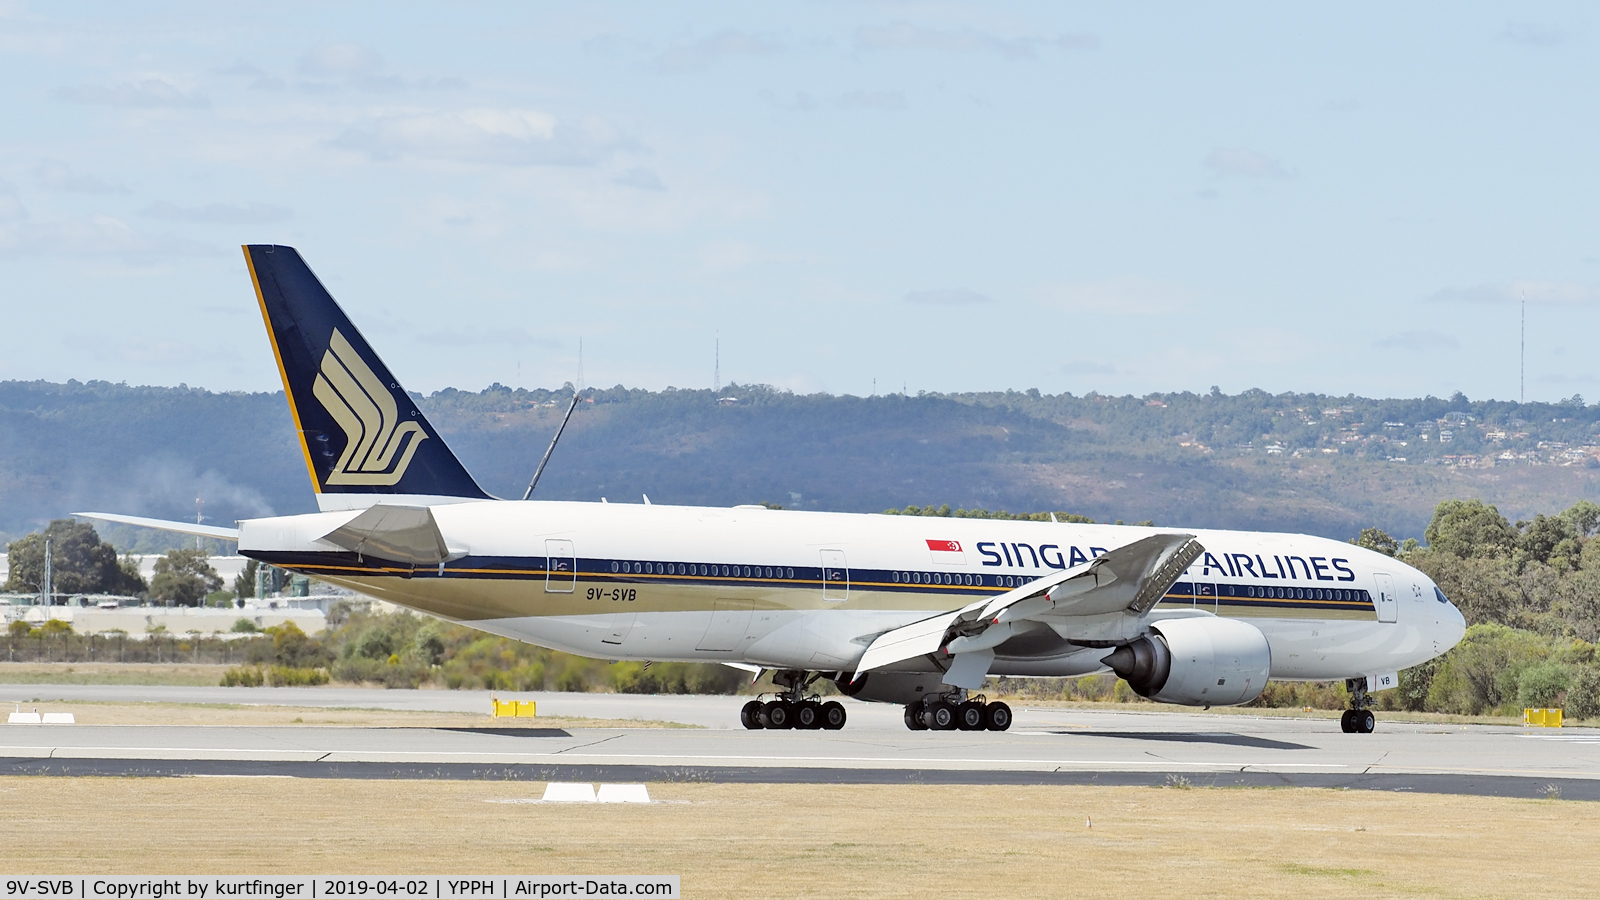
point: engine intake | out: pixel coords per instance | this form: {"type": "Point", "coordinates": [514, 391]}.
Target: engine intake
{"type": "Point", "coordinates": [1200, 661]}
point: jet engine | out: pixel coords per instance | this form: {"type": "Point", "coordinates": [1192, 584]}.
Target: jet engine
{"type": "Point", "coordinates": [1200, 661]}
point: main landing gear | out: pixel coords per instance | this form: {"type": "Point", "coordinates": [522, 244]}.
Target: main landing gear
{"type": "Point", "coordinates": [956, 711]}
{"type": "Point", "coordinates": [793, 708]}
{"type": "Point", "coordinates": [1358, 719]}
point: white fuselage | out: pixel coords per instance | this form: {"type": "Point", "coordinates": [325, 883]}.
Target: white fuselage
{"type": "Point", "coordinates": [810, 590]}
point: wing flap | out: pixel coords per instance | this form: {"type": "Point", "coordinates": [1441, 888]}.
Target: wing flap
{"type": "Point", "coordinates": [1131, 578]}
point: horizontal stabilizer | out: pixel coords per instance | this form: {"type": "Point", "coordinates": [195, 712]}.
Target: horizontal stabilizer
{"type": "Point", "coordinates": [210, 531]}
{"type": "Point", "coordinates": [402, 534]}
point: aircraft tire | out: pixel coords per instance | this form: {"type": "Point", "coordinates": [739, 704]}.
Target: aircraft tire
{"type": "Point", "coordinates": [939, 716]}
{"type": "Point", "coordinates": [833, 715]}
{"type": "Point", "coordinates": [970, 716]}
{"type": "Point", "coordinates": [808, 715]}
{"type": "Point", "coordinates": [914, 717]}
{"type": "Point", "coordinates": [777, 714]}
{"type": "Point", "coordinates": [1364, 721]}
{"type": "Point", "coordinates": [997, 717]}
{"type": "Point", "coordinates": [750, 715]}
{"type": "Point", "coordinates": [1346, 723]}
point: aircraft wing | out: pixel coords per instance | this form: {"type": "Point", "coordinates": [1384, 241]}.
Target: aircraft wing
{"type": "Point", "coordinates": [210, 531]}
{"type": "Point", "coordinates": [1128, 579]}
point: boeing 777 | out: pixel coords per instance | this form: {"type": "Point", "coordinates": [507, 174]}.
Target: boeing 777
{"type": "Point", "coordinates": [907, 610]}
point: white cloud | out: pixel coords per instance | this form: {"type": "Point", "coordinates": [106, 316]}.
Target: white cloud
{"type": "Point", "coordinates": [1238, 161]}
{"type": "Point", "coordinates": [641, 178]}
{"type": "Point", "coordinates": [481, 336]}
{"type": "Point", "coordinates": [1124, 296]}
{"type": "Point", "coordinates": [948, 297]}
{"type": "Point", "coordinates": [1531, 35]}
{"type": "Point", "coordinates": [1420, 340]}
{"type": "Point", "coordinates": [149, 93]}
{"type": "Point", "coordinates": [799, 102]}
{"type": "Point", "coordinates": [11, 209]}
{"type": "Point", "coordinates": [1087, 367]}
{"type": "Point", "coordinates": [218, 213]}
{"type": "Point", "coordinates": [93, 236]}
{"type": "Point", "coordinates": [516, 137]}
{"type": "Point", "coordinates": [1543, 293]}
{"type": "Point", "coordinates": [906, 36]}
{"type": "Point", "coordinates": [702, 53]}
{"type": "Point", "coordinates": [340, 59]}
{"type": "Point", "coordinates": [883, 100]}
{"type": "Point", "coordinates": [54, 175]}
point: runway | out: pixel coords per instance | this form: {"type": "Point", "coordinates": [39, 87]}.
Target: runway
{"type": "Point", "coordinates": [1046, 745]}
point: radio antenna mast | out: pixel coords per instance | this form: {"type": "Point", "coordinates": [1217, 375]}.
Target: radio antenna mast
{"type": "Point", "coordinates": [552, 448]}
{"type": "Point", "coordinates": [1522, 357]}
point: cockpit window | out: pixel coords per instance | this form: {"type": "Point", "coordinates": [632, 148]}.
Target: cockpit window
{"type": "Point", "coordinates": [1440, 594]}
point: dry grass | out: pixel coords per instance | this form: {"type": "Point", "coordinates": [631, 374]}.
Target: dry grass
{"type": "Point", "coordinates": [183, 674]}
{"type": "Point", "coordinates": [823, 841]}
{"type": "Point", "coordinates": [88, 712]}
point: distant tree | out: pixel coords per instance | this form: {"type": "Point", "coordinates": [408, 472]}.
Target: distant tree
{"type": "Point", "coordinates": [1548, 539]}
{"type": "Point", "coordinates": [1377, 539]}
{"type": "Point", "coordinates": [1468, 529]}
{"type": "Point", "coordinates": [81, 563]}
{"type": "Point", "coordinates": [244, 584]}
{"type": "Point", "coordinates": [1584, 516]}
{"type": "Point", "coordinates": [184, 577]}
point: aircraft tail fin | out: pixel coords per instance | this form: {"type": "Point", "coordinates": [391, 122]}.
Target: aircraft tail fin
{"type": "Point", "coordinates": [363, 437]}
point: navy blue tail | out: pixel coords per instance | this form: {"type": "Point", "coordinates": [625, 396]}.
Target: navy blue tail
{"type": "Point", "coordinates": [361, 432]}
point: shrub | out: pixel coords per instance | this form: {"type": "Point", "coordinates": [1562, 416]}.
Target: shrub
{"type": "Point", "coordinates": [242, 676]}
{"type": "Point", "coordinates": [1583, 698]}
{"type": "Point", "coordinates": [1543, 684]}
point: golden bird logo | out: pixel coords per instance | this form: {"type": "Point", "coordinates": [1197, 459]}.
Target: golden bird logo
{"type": "Point", "coordinates": [378, 447]}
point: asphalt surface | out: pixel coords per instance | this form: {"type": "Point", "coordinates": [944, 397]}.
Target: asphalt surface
{"type": "Point", "coordinates": [1045, 746]}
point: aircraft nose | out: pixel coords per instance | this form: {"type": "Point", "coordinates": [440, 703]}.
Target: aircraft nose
{"type": "Point", "coordinates": [1458, 625]}
{"type": "Point", "coordinates": [1453, 624]}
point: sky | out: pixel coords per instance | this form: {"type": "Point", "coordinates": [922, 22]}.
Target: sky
{"type": "Point", "coordinates": [842, 197]}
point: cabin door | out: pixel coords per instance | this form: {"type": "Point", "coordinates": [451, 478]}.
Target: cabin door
{"type": "Point", "coordinates": [835, 576]}
{"type": "Point", "coordinates": [561, 576]}
{"type": "Point", "coordinates": [1386, 600]}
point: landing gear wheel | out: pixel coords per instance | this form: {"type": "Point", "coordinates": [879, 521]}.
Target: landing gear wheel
{"type": "Point", "coordinates": [808, 715]}
{"type": "Point", "coordinates": [969, 716]}
{"type": "Point", "coordinates": [914, 717]}
{"type": "Point", "coordinates": [997, 716]}
{"type": "Point", "coordinates": [1364, 721]}
{"type": "Point", "coordinates": [833, 715]}
{"type": "Point", "coordinates": [750, 715]}
{"type": "Point", "coordinates": [777, 714]}
{"type": "Point", "coordinates": [1345, 723]}
{"type": "Point", "coordinates": [939, 716]}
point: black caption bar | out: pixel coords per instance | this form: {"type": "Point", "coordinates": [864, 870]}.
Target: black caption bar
{"type": "Point", "coordinates": [530, 887]}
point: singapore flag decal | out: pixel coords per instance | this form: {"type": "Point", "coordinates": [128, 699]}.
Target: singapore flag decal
{"type": "Point", "coordinates": [947, 553]}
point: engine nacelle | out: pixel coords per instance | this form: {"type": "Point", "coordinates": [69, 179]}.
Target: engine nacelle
{"type": "Point", "coordinates": [891, 687]}
{"type": "Point", "coordinates": [1200, 661]}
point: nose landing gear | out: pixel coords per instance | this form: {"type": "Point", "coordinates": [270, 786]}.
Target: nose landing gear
{"type": "Point", "coordinates": [1358, 719]}
{"type": "Point", "coordinates": [793, 708]}
{"type": "Point", "coordinates": [956, 711]}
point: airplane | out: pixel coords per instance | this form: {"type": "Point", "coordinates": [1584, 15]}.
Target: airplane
{"type": "Point", "coordinates": [908, 610]}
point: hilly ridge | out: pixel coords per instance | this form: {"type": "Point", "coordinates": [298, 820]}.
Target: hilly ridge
{"type": "Point", "coordinates": [1309, 463]}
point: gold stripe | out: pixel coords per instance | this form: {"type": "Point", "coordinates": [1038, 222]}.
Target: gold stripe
{"type": "Point", "coordinates": [272, 338]}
